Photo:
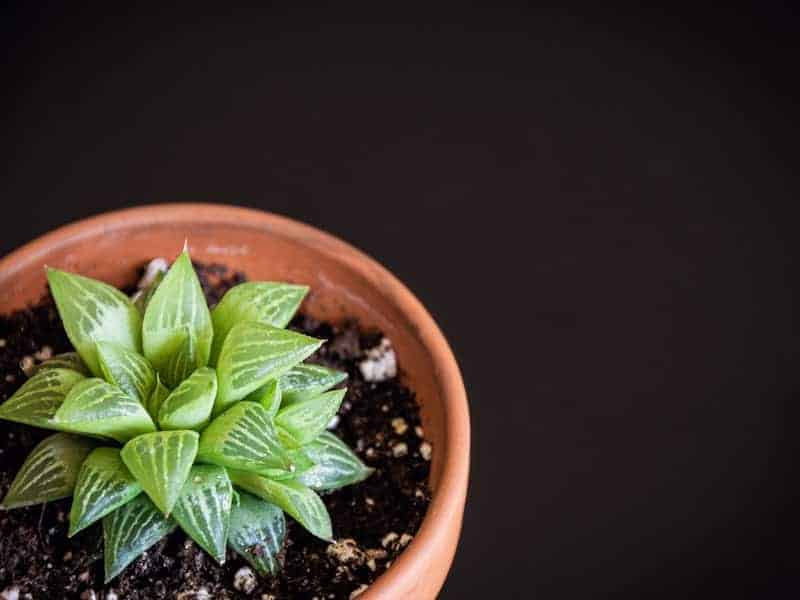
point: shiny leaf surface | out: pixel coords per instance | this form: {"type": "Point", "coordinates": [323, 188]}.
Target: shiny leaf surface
{"type": "Point", "coordinates": [92, 312]}
{"type": "Point", "coordinates": [204, 508]}
{"type": "Point", "coordinates": [130, 530]}
{"type": "Point", "coordinates": [257, 532]}
{"type": "Point", "coordinates": [254, 353]}
{"type": "Point", "coordinates": [96, 407]}
{"type": "Point", "coordinates": [161, 462]}
{"type": "Point", "coordinates": [265, 302]}
{"type": "Point", "coordinates": [104, 484]}
{"type": "Point", "coordinates": [49, 472]}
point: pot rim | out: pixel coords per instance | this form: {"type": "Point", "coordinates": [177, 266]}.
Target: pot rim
{"type": "Point", "coordinates": [448, 500]}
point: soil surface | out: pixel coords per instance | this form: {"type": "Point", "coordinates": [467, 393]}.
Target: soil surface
{"type": "Point", "coordinates": [373, 521]}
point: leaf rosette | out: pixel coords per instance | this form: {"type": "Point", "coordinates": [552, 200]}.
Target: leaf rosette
{"type": "Point", "coordinates": [171, 415]}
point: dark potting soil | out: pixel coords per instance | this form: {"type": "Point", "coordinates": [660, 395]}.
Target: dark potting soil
{"type": "Point", "coordinates": [373, 521]}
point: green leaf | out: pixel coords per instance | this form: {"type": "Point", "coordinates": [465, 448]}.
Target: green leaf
{"type": "Point", "coordinates": [128, 370]}
{"type": "Point", "coordinates": [130, 530]}
{"type": "Point", "coordinates": [67, 360]}
{"type": "Point", "coordinates": [306, 381]}
{"type": "Point", "coordinates": [93, 311]}
{"type": "Point", "coordinates": [104, 484]}
{"type": "Point", "coordinates": [96, 407]}
{"type": "Point", "coordinates": [257, 532]}
{"type": "Point", "coordinates": [156, 399]}
{"type": "Point", "coordinates": [36, 402]}
{"type": "Point", "coordinates": [184, 360]}
{"type": "Point", "coordinates": [254, 353]}
{"type": "Point", "coordinates": [305, 420]}
{"type": "Point", "coordinates": [300, 463]}
{"type": "Point", "coordinates": [160, 462]}
{"type": "Point", "coordinates": [143, 297]}
{"type": "Point", "coordinates": [177, 305]}
{"type": "Point", "coordinates": [268, 396]}
{"type": "Point", "coordinates": [204, 507]}
{"type": "Point", "coordinates": [296, 499]}
{"type": "Point", "coordinates": [189, 405]}
{"type": "Point", "coordinates": [49, 472]}
{"type": "Point", "coordinates": [336, 465]}
{"type": "Point", "coordinates": [243, 437]}
{"type": "Point", "coordinates": [267, 302]}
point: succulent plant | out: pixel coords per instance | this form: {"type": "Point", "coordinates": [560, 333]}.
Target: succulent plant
{"type": "Point", "coordinates": [173, 415]}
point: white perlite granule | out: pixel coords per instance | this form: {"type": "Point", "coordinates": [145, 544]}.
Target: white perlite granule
{"type": "Point", "coordinates": [199, 594]}
{"type": "Point", "coordinates": [10, 593]}
{"type": "Point", "coordinates": [399, 450]}
{"type": "Point", "coordinates": [358, 591]}
{"type": "Point", "coordinates": [346, 551]}
{"type": "Point", "coordinates": [425, 450]}
{"type": "Point", "coordinates": [151, 271]}
{"type": "Point", "coordinates": [380, 363]}
{"type": "Point", "coordinates": [399, 425]}
{"type": "Point", "coordinates": [245, 580]}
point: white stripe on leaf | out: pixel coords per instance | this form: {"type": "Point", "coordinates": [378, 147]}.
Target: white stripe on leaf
{"type": "Point", "coordinates": [93, 311]}
{"type": "Point", "coordinates": [104, 484]}
{"type": "Point", "coordinates": [178, 304]}
{"type": "Point", "coordinates": [300, 502]}
{"type": "Point", "coordinates": [267, 302]}
{"type": "Point", "coordinates": [203, 509]}
{"type": "Point", "coordinates": [49, 472]}
{"type": "Point", "coordinates": [129, 531]}
{"type": "Point", "coordinates": [336, 465]}
{"type": "Point", "coordinates": [189, 405]}
{"type": "Point", "coordinates": [161, 462]}
{"type": "Point", "coordinates": [66, 360]}
{"type": "Point", "coordinates": [96, 407]}
{"type": "Point", "coordinates": [305, 420]}
{"type": "Point", "coordinates": [257, 532]}
{"type": "Point", "coordinates": [254, 353]}
{"type": "Point", "coordinates": [306, 381]}
{"type": "Point", "coordinates": [39, 398]}
{"type": "Point", "coordinates": [127, 370]}
{"type": "Point", "coordinates": [243, 437]}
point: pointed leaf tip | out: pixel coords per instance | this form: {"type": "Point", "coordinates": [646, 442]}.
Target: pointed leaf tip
{"type": "Point", "coordinates": [49, 472]}
{"type": "Point", "coordinates": [254, 353]}
{"type": "Point", "coordinates": [204, 507]}
{"type": "Point", "coordinates": [335, 465]}
{"type": "Point", "coordinates": [161, 462]}
{"type": "Point", "coordinates": [267, 302]}
{"type": "Point", "coordinates": [243, 437]}
{"type": "Point", "coordinates": [306, 380]}
{"type": "Point", "coordinates": [96, 407]}
{"type": "Point", "coordinates": [189, 405]}
{"type": "Point", "coordinates": [257, 532]}
{"type": "Point", "coordinates": [127, 370]}
{"type": "Point", "coordinates": [129, 531]}
{"type": "Point", "coordinates": [93, 311]}
{"type": "Point", "coordinates": [104, 484]}
{"type": "Point", "coordinates": [305, 420]}
{"type": "Point", "coordinates": [301, 503]}
{"type": "Point", "coordinates": [38, 400]}
{"type": "Point", "coordinates": [177, 306]}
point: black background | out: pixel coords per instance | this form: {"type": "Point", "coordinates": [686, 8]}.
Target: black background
{"type": "Point", "coordinates": [597, 209]}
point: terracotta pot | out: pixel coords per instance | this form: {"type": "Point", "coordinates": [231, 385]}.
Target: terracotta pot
{"type": "Point", "coordinates": [344, 283]}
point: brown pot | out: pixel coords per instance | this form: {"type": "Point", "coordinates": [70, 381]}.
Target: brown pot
{"type": "Point", "coordinates": [344, 283]}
